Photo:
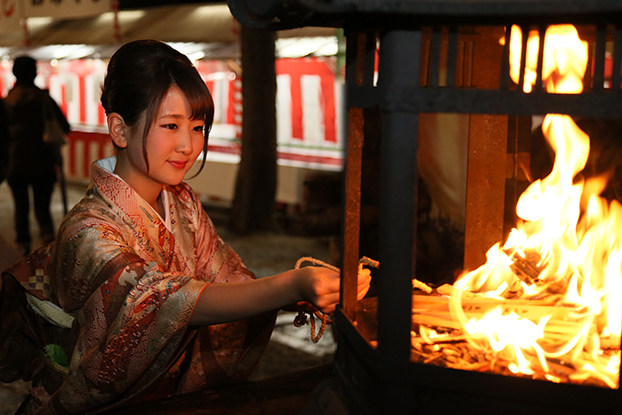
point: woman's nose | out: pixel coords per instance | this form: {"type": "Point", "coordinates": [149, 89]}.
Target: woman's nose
{"type": "Point", "coordinates": [184, 143]}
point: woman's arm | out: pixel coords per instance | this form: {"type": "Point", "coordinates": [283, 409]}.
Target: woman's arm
{"type": "Point", "coordinates": [219, 303]}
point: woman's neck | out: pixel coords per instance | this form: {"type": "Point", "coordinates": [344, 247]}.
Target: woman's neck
{"type": "Point", "coordinates": [159, 206]}
{"type": "Point", "coordinates": [154, 200]}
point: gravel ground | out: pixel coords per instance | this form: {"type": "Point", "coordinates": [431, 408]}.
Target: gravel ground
{"type": "Point", "coordinates": [290, 348]}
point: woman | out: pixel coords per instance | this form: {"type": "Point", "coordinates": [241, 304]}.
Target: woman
{"type": "Point", "coordinates": [154, 302]}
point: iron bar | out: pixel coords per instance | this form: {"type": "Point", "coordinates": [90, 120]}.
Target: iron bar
{"type": "Point", "coordinates": [398, 185]}
{"type": "Point", "coordinates": [598, 80]}
{"type": "Point", "coordinates": [473, 101]}
{"type": "Point", "coordinates": [435, 57]}
{"type": "Point", "coordinates": [523, 57]}
{"type": "Point", "coordinates": [505, 63]}
{"type": "Point", "coordinates": [540, 63]}
{"type": "Point", "coordinates": [452, 56]}
{"type": "Point", "coordinates": [617, 57]}
{"type": "Point", "coordinates": [357, 74]}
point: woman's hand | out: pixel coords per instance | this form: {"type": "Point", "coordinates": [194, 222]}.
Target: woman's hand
{"type": "Point", "coordinates": [364, 279]}
{"type": "Point", "coordinates": [320, 286]}
{"type": "Point", "coordinates": [220, 303]}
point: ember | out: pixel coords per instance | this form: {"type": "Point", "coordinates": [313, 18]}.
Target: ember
{"type": "Point", "coordinates": [546, 304]}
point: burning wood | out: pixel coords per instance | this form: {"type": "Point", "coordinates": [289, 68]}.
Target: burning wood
{"type": "Point", "coordinates": [526, 266]}
{"type": "Point", "coordinates": [439, 338]}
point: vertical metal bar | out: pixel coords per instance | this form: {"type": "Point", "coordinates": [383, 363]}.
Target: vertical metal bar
{"type": "Point", "coordinates": [485, 199]}
{"type": "Point", "coordinates": [540, 64]}
{"type": "Point", "coordinates": [425, 60]}
{"type": "Point", "coordinates": [617, 57]}
{"type": "Point", "coordinates": [518, 171]}
{"type": "Point", "coordinates": [467, 66]}
{"type": "Point", "coordinates": [505, 62]}
{"type": "Point", "coordinates": [398, 186]}
{"type": "Point", "coordinates": [435, 57]}
{"type": "Point", "coordinates": [398, 182]}
{"type": "Point", "coordinates": [355, 51]}
{"type": "Point", "coordinates": [369, 59]}
{"type": "Point", "coordinates": [523, 56]}
{"type": "Point", "coordinates": [452, 56]}
{"type": "Point", "coordinates": [599, 58]}
{"type": "Point", "coordinates": [356, 74]}
{"type": "Point", "coordinates": [352, 211]}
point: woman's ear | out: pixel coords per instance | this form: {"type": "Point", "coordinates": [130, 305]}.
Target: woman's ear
{"type": "Point", "coordinates": [118, 130]}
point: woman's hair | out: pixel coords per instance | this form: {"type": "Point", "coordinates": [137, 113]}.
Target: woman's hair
{"type": "Point", "coordinates": [139, 75]}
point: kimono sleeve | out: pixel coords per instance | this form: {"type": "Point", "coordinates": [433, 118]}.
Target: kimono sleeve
{"type": "Point", "coordinates": [133, 316]}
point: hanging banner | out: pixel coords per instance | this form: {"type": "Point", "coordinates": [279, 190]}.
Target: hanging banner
{"type": "Point", "coordinates": [65, 9]}
{"type": "Point", "coordinates": [10, 15]}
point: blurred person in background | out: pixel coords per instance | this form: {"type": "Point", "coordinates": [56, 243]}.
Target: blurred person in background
{"type": "Point", "coordinates": [8, 253]}
{"type": "Point", "coordinates": [32, 161]}
{"type": "Point", "coordinates": [4, 140]}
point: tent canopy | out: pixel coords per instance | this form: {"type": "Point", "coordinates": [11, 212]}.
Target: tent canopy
{"type": "Point", "coordinates": [209, 27]}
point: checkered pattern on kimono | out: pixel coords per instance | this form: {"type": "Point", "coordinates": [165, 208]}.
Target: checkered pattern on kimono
{"type": "Point", "coordinates": [39, 282]}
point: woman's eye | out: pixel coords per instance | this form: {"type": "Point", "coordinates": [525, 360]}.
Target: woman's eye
{"type": "Point", "coordinates": [170, 126]}
{"type": "Point", "coordinates": [199, 128]}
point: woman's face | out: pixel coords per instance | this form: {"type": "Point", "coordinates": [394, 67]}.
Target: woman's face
{"type": "Point", "coordinates": [173, 144]}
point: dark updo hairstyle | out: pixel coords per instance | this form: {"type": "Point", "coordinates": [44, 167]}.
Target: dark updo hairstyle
{"type": "Point", "coordinates": [139, 75]}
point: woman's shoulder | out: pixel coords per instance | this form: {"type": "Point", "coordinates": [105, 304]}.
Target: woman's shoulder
{"type": "Point", "coordinates": [90, 213]}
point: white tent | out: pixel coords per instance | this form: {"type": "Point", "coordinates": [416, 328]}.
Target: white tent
{"type": "Point", "coordinates": [208, 29]}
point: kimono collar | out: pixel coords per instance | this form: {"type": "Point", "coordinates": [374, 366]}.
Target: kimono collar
{"type": "Point", "coordinates": [105, 167]}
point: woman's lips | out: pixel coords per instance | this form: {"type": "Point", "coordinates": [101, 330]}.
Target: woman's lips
{"type": "Point", "coordinates": [178, 164]}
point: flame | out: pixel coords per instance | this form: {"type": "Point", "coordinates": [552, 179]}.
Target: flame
{"type": "Point", "coordinates": [565, 59]}
{"type": "Point", "coordinates": [566, 233]}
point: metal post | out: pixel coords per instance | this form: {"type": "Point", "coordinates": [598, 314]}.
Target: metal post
{"type": "Point", "coordinates": [398, 189]}
{"type": "Point", "coordinates": [398, 181]}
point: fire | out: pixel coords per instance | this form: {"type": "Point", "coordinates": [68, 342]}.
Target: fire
{"type": "Point", "coordinates": [565, 59]}
{"type": "Point", "coordinates": [565, 254]}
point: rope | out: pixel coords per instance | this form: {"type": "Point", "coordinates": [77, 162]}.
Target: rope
{"type": "Point", "coordinates": [326, 318]}
{"type": "Point", "coordinates": [313, 312]}
{"type": "Point", "coordinates": [316, 262]}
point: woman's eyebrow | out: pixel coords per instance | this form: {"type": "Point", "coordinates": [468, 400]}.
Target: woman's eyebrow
{"type": "Point", "coordinates": [171, 115]}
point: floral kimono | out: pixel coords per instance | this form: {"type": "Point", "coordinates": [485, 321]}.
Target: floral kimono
{"type": "Point", "coordinates": [126, 282]}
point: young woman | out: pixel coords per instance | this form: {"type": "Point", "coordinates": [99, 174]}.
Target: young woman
{"type": "Point", "coordinates": [154, 301]}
